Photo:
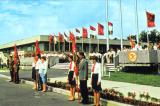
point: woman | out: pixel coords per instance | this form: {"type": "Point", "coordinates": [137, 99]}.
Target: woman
{"type": "Point", "coordinates": [43, 72]}
{"type": "Point", "coordinates": [71, 78]}
{"type": "Point", "coordinates": [96, 80]}
{"type": "Point", "coordinates": [34, 74]}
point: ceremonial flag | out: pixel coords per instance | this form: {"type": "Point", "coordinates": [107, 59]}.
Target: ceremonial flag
{"type": "Point", "coordinates": [61, 39]}
{"type": "Point", "coordinates": [77, 30]}
{"type": "Point", "coordinates": [150, 19]}
{"type": "Point", "coordinates": [110, 28]}
{"type": "Point", "coordinates": [50, 39]}
{"type": "Point", "coordinates": [131, 42]}
{"type": "Point", "coordinates": [100, 29]}
{"type": "Point", "coordinates": [71, 37]}
{"type": "Point", "coordinates": [84, 32]}
{"type": "Point", "coordinates": [92, 28]}
{"type": "Point", "coordinates": [15, 54]}
{"type": "Point", "coordinates": [38, 51]}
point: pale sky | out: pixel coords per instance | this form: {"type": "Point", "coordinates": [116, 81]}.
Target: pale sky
{"type": "Point", "coordinates": [25, 18]}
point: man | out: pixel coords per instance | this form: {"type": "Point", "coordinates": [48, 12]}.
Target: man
{"type": "Point", "coordinates": [83, 77]}
{"type": "Point", "coordinates": [16, 70]}
{"type": "Point", "coordinates": [10, 65]}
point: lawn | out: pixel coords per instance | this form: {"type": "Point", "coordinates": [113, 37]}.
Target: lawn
{"type": "Point", "coordinates": [144, 79]}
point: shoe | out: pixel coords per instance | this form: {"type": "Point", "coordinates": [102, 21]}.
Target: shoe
{"type": "Point", "coordinates": [10, 81]}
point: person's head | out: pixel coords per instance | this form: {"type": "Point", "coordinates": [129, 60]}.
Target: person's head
{"type": "Point", "coordinates": [70, 58]}
{"type": "Point", "coordinates": [94, 59]}
{"type": "Point", "coordinates": [43, 58]}
{"type": "Point", "coordinates": [81, 55]}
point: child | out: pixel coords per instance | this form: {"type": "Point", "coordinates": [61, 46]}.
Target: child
{"type": "Point", "coordinates": [96, 80]}
{"type": "Point", "coordinates": [43, 72]}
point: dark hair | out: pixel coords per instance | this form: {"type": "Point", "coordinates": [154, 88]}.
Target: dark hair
{"type": "Point", "coordinates": [39, 56]}
{"type": "Point", "coordinates": [44, 58]}
{"type": "Point", "coordinates": [70, 56]}
{"type": "Point", "coordinates": [94, 58]}
{"type": "Point", "coordinates": [82, 54]}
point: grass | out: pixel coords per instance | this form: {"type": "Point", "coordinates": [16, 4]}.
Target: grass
{"type": "Point", "coordinates": [143, 79]}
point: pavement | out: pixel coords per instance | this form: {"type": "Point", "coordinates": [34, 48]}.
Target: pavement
{"type": "Point", "coordinates": [61, 75]}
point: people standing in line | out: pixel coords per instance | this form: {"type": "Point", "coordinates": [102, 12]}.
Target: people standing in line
{"type": "Point", "coordinates": [71, 78]}
{"type": "Point", "coordinates": [38, 79]}
{"type": "Point", "coordinates": [83, 77]}
{"type": "Point", "coordinates": [96, 80]}
{"type": "Point", "coordinates": [16, 68]}
{"type": "Point", "coordinates": [42, 72]}
{"type": "Point", "coordinates": [10, 65]}
{"type": "Point", "coordinates": [34, 73]}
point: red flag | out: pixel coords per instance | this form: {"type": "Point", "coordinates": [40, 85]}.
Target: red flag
{"type": "Point", "coordinates": [131, 42]}
{"type": "Point", "coordinates": [92, 28]}
{"type": "Point", "coordinates": [38, 51]}
{"type": "Point", "coordinates": [15, 54]}
{"type": "Point", "coordinates": [77, 30]}
{"type": "Point", "coordinates": [100, 29]}
{"type": "Point", "coordinates": [84, 33]}
{"type": "Point", "coordinates": [110, 28]}
{"type": "Point", "coordinates": [150, 19]}
{"type": "Point", "coordinates": [71, 37]}
{"type": "Point", "coordinates": [61, 39]}
{"type": "Point", "coordinates": [50, 39]}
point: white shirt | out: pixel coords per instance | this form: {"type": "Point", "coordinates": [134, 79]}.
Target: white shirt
{"type": "Point", "coordinates": [97, 70]}
{"type": "Point", "coordinates": [38, 63]}
{"type": "Point", "coordinates": [43, 68]}
{"type": "Point", "coordinates": [72, 68]}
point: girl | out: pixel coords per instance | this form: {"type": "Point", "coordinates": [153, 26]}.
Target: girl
{"type": "Point", "coordinates": [43, 72]}
{"type": "Point", "coordinates": [96, 80]}
{"type": "Point", "coordinates": [71, 78]}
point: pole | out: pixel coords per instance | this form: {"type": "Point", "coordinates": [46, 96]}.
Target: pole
{"type": "Point", "coordinates": [98, 45]}
{"type": "Point", "coordinates": [137, 25]}
{"type": "Point", "coordinates": [64, 45]}
{"type": "Point", "coordinates": [106, 14]}
{"type": "Point", "coordinates": [69, 46]}
{"type": "Point", "coordinates": [89, 44]}
{"type": "Point", "coordinates": [54, 43]}
{"type": "Point", "coordinates": [49, 46]}
{"type": "Point", "coordinates": [59, 46]}
{"type": "Point", "coordinates": [82, 42]}
{"type": "Point", "coordinates": [121, 26]}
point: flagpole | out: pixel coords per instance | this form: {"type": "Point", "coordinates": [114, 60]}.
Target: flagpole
{"type": "Point", "coordinates": [82, 42]}
{"type": "Point", "coordinates": [121, 26]}
{"type": "Point", "coordinates": [49, 46]}
{"type": "Point", "coordinates": [59, 46]}
{"type": "Point", "coordinates": [136, 12]}
{"type": "Point", "coordinates": [54, 44]}
{"type": "Point", "coordinates": [64, 45]}
{"type": "Point", "coordinates": [89, 43]}
{"type": "Point", "coordinates": [106, 14]}
{"type": "Point", "coordinates": [98, 45]}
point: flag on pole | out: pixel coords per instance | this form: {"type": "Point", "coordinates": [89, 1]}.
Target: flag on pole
{"type": "Point", "coordinates": [92, 28]}
{"type": "Point", "coordinates": [71, 37]}
{"type": "Point", "coordinates": [131, 42]}
{"type": "Point", "coordinates": [100, 29]}
{"type": "Point", "coordinates": [77, 30]}
{"type": "Point", "coordinates": [38, 51]}
{"type": "Point", "coordinates": [110, 28]}
{"type": "Point", "coordinates": [50, 39]}
{"type": "Point", "coordinates": [84, 33]}
{"type": "Point", "coordinates": [150, 19]}
{"type": "Point", "coordinates": [15, 54]}
{"type": "Point", "coordinates": [60, 37]}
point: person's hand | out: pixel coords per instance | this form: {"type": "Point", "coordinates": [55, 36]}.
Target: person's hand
{"type": "Point", "coordinates": [98, 83]}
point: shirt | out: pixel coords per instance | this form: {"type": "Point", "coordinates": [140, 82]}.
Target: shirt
{"type": "Point", "coordinates": [97, 70]}
{"type": "Point", "coordinates": [43, 68]}
{"type": "Point", "coordinates": [38, 63]}
{"type": "Point", "coordinates": [71, 67]}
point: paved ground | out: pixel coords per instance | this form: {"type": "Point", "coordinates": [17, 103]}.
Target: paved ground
{"type": "Point", "coordinates": [23, 95]}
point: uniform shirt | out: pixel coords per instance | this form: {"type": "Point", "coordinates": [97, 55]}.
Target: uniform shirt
{"type": "Point", "coordinates": [38, 63]}
{"type": "Point", "coordinates": [43, 68]}
{"type": "Point", "coordinates": [71, 67]}
{"type": "Point", "coordinates": [97, 70]}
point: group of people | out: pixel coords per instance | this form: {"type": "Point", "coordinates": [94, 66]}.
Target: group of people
{"type": "Point", "coordinates": [39, 73]}
{"type": "Point", "coordinates": [14, 66]}
{"type": "Point", "coordinates": [73, 80]}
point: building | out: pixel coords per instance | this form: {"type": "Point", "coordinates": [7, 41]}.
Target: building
{"type": "Point", "coordinates": [28, 45]}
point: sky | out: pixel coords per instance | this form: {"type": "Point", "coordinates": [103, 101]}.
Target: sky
{"type": "Point", "coordinates": [21, 19]}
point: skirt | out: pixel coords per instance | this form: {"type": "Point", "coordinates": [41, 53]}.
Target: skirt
{"type": "Point", "coordinates": [96, 87]}
{"type": "Point", "coordinates": [33, 73]}
{"type": "Point", "coordinates": [70, 77]}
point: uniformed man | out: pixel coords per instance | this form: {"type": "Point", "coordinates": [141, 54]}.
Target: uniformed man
{"type": "Point", "coordinates": [16, 70]}
{"type": "Point", "coordinates": [10, 65]}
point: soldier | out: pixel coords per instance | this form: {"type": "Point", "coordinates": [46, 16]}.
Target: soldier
{"type": "Point", "coordinates": [83, 77]}
{"type": "Point", "coordinates": [16, 70]}
{"type": "Point", "coordinates": [10, 65]}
